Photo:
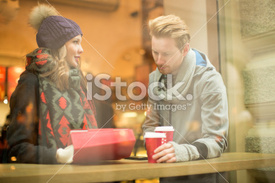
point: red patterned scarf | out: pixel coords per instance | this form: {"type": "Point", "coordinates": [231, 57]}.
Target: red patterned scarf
{"type": "Point", "coordinates": [59, 111]}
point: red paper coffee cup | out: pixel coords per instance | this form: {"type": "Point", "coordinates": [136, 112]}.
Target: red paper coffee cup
{"type": "Point", "coordinates": [168, 130]}
{"type": "Point", "coordinates": [152, 141]}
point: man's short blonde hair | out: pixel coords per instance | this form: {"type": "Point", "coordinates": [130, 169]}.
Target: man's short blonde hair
{"type": "Point", "coordinates": [170, 26]}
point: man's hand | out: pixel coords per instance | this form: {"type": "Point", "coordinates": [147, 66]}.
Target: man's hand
{"type": "Point", "coordinates": [165, 154]}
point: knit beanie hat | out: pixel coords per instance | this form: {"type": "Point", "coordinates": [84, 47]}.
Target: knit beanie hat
{"type": "Point", "coordinates": [53, 31]}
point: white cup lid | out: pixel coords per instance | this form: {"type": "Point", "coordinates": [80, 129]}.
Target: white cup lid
{"type": "Point", "coordinates": [164, 128]}
{"type": "Point", "coordinates": [154, 135]}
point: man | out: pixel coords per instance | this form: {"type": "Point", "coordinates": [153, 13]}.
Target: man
{"type": "Point", "coordinates": [186, 92]}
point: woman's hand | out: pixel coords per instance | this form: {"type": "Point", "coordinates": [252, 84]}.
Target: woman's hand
{"type": "Point", "coordinates": [165, 154]}
{"type": "Point", "coordinates": [65, 155]}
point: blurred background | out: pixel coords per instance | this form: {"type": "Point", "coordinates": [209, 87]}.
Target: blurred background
{"type": "Point", "coordinates": [237, 35]}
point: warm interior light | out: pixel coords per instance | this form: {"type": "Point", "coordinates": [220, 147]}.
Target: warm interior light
{"type": "Point", "coordinates": [5, 101]}
{"type": "Point", "coordinates": [13, 158]}
{"type": "Point", "coordinates": [130, 114]}
{"type": "Point", "coordinates": [12, 167]}
{"type": "Point", "coordinates": [18, 70]}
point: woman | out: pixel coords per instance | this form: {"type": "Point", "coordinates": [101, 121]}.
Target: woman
{"type": "Point", "coordinates": [50, 98]}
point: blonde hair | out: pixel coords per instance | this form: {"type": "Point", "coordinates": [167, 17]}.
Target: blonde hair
{"type": "Point", "coordinates": [170, 26]}
{"type": "Point", "coordinates": [60, 74]}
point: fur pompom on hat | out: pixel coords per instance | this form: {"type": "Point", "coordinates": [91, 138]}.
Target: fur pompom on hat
{"type": "Point", "coordinates": [53, 31]}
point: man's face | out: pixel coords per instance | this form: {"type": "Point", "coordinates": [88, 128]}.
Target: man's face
{"type": "Point", "coordinates": [167, 55]}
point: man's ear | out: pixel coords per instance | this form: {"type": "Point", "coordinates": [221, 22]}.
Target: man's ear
{"type": "Point", "coordinates": [185, 49]}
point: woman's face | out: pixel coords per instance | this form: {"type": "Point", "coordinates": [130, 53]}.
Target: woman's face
{"type": "Point", "coordinates": [74, 50]}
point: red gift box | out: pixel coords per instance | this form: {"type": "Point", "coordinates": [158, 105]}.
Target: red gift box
{"type": "Point", "coordinates": [101, 144]}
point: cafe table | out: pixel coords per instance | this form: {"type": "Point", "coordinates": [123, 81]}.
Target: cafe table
{"type": "Point", "coordinates": [127, 169]}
